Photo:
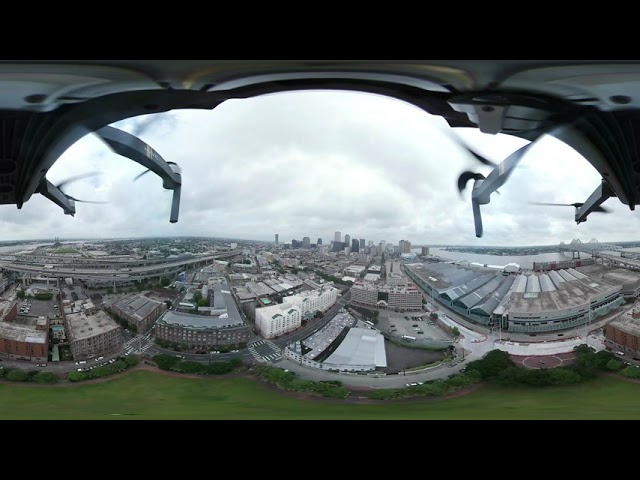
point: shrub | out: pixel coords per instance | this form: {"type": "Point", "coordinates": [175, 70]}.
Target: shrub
{"type": "Point", "coordinates": [17, 376]}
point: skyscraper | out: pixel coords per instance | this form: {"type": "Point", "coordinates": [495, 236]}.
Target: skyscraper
{"type": "Point", "coordinates": [306, 242]}
{"type": "Point", "coordinates": [347, 240]}
{"type": "Point", "coordinates": [276, 239]}
{"type": "Point", "coordinates": [362, 244]}
{"type": "Point", "coordinates": [337, 238]}
{"type": "Point", "coordinates": [355, 245]}
{"type": "Point", "coordinates": [319, 241]}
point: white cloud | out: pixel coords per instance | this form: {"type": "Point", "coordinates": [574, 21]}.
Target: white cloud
{"type": "Point", "coordinates": [308, 164]}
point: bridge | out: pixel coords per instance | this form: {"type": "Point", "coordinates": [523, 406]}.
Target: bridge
{"type": "Point", "coordinates": [592, 247]}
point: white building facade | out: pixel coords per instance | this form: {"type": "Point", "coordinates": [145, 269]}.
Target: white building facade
{"type": "Point", "coordinates": [279, 319]}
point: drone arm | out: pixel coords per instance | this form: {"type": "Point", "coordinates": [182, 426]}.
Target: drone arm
{"type": "Point", "coordinates": [175, 204]}
{"type": "Point", "coordinates": [600, 194]}
{"type": "Point", "coordinates": [53, 193]}
{"type": "Point", "coordinates": [499, 175]}
{"type": "Point", "coordinates": [132, 147]}
{"type": "Point", "coordinates": [477, 218]}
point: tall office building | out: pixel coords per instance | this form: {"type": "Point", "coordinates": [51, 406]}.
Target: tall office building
{"type": "Point", "coordinates": [355, 245]}
{"type": "Point", "coordinates": [425, 250]}
{"type": "Point", "coordinates": [405, 246]}
{"type": "Point", "coordinates": [319, 241]}
{"type": "Point", "coordinates": [371, 243]}
{"type": "Point", "coordinates": [306, 242]}
{"type": "Point", "coordinates": [347, 240]}
{"type": "Point", "coordinates": [276, 239]}
{"type": "Point", "coordinates": [362, 245]}
{"type": "Point", "coordinates": [337, 237]}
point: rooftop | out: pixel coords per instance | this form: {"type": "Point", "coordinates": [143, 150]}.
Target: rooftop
{"type": "Point", "coordinates": [81, 325]}
{"type": "Point", "coordinates": [22, 333]}
{"type": "Point", "coordinates": [361, 347]}
{"type": "Point", "coordinates": [202, 322]}
{"type": "Point", "coordinates": [627, 324]}
{"type": "Point", "coordinates": [5, 307]}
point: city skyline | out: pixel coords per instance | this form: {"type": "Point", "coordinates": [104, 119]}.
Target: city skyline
{"type": "Point", "coordinates": [313, 161]}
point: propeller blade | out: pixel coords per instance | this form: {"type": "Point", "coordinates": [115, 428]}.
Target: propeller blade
{"type": "Point", "coordinates": [83, 201]}
{"type": "Point", "coordinates": [600, 208]}
{"type": "Point", "coordinates": [555, 204]}
{"type": "Point", "coordinates": [147, 171]}
{"type": "Point", "coordinates": [77, 177]}
{"type": "Point", "coordinates": [476, 155]}
{"type": "Point", "coordinates": [140, 174]}
{"type": "Point", "coordinates": [464, 178]}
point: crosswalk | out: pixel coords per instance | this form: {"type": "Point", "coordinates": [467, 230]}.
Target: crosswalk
{"type": "Point", "coordinates": [138, 343]}
{"type": "Point", "coordinates": [265, 351]}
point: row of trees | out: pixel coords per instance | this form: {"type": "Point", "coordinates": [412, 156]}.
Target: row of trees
{"type": "Point", "coordinates": [176, 364]}
{"type": "Point", "coordinates": [497, 367]}
{"type": "Point", "coordinates": [292, 382]}
{"type": "Point", "coordinates": [18, 375]}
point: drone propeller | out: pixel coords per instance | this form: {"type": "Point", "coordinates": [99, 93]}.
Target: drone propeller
{"type": "Point", "coordinates": [74, 179]}
{"type": "Point", "coordinates": [475, 154]}
{"type": "Point", "coordinates": [57, 196]}
{"type": "Point", "coordinates": [599, 208]}
{"type": "Point", "coordinates": [147, 171]}
{"type": "Point", "coordinates": [464, 178]}
{"type": "Point", "coordinates": [483, 186]}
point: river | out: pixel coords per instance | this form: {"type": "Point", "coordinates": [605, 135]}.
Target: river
{"type": "Point", "coordinates": [525, 261]}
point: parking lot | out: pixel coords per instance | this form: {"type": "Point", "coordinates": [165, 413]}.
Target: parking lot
{"type": "Point", "coordinates": [37, 308]}
{"type": "Point", "coordinates": [417, 325]}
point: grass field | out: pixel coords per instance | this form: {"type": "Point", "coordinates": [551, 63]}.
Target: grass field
{"type": "Point", "coordinates": [148, 395]}
{"type": "Point", "coordinates": [65, 250]}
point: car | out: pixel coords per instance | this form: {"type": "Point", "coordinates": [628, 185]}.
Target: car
{"type": "Point", "coordinates": [112, 360]}
{"type": "Point", "coordinates": [99, 358]}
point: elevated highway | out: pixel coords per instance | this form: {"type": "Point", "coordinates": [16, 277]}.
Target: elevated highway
{"type": "Point", "coordinates": [30, 267]}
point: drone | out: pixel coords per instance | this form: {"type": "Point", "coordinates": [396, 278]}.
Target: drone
{"type": "Point", "coordinates": [592, 106]}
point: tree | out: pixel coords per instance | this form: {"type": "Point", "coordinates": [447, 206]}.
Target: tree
{"type": "Point", "coordinates": [45, 377]}
{"type": "Point", "coordinates": [631, 371]}
{"type": "Point", "coordinates": [614, 365]}
{"type": "Point", "coordinates": [454, 331]}
{"type": "Point", "coordinates": [165, 282]}
{"type": "Point", "coordinates": [433, 316]}
{"type": "Point", "coordinates": [17, 376]}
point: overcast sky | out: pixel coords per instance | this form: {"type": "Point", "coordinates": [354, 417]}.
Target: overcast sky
{"type": "Point", "coordinates": [310, 163]}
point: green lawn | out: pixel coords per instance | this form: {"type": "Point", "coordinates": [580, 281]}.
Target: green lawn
{"type": "Point", "coordinates": [65, 250]}
{"type": "Point", "coordinates": [147, 395]}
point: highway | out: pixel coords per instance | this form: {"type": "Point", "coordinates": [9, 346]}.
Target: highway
{"type": "Point", "coordinates": [120, 271]}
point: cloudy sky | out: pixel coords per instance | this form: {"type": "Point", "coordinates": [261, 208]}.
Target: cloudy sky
{"type": "Point", "coordinates": [310, 163]}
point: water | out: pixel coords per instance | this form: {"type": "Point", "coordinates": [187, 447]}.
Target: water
{"type": "Point", "coordinates": [525, 261]}
{"type": "Point", "coordinates": [22, 246]}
